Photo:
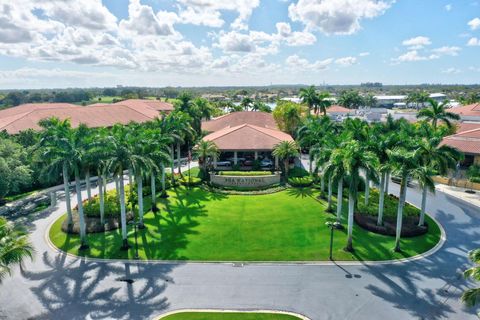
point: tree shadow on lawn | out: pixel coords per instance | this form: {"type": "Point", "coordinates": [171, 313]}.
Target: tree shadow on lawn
{"type": "Point", "coordinates": [81, 289]}
{"type": "Point", "coordinates": [300, 192]}
{"type": "Point", "coordinates": [426, 287]}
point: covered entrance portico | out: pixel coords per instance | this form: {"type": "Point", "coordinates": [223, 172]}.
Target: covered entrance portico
{"type": "Point", "coordinates": [246, 160]}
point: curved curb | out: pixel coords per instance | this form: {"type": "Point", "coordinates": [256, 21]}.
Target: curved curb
{"type": "Point", "coordinates": [423, 255]}
{"type": "Point", "coordinates": [163, 315]}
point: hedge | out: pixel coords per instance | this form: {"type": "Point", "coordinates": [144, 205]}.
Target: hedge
{"type": "Point", "coordinates": [192, 181]}
{"type": "Point", "coordinates": [390, 206]}
{"type": "Point", "coordinates": [300, 182]}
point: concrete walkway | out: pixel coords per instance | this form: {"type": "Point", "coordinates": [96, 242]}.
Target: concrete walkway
{"type": "Point", "coordinates": [460, 193]}
{"type": "Point", "coordinates": [56, 286]}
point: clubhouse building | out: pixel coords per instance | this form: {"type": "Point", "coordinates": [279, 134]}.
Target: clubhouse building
{"type": "Point", "coordinates": [245, 139]}
{"type": "Point", "coordinates": [27, 116]}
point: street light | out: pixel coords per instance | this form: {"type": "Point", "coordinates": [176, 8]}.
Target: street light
{"type": "Point", "coordinates": [332, 226]}
{"type": "Point", "coordinates": [135, 225]}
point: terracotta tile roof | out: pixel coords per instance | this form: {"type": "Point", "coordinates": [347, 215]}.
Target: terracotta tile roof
{"type": "Point", "coordinates": [468, 110]}
{"type": "Point", "coordinates": [247, 137]}
{"type": "Point", "coordinates": [467, 141]}
{"type": "Point", "coordinates": [467, 126]}
{"type": "Point", "coordinates": [261, 119]}
{"type": "Point", "coordinates": [339, 109]}
{"type": "Point", "coordinates": [27, 116]}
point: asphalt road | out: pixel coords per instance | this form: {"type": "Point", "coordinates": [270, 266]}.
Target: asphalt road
{"type": "Point", "coordinates": [56, 286]}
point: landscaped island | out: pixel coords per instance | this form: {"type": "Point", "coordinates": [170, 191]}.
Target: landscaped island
{"type": "Point", "coordinates": [199, 225]}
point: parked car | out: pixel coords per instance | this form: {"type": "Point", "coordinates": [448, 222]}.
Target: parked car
{"type": "Point", "coordinates": [266, 163]}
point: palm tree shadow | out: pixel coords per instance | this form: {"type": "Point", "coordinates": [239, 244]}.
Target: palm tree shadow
{"type": "Point", "coordinates": [300, 192]}
{"type": "Point", "coordinates": [81, 289]}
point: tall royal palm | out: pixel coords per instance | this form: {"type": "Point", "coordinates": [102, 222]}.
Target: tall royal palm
{"type": "Point", "coordinates": [354, 158]}
{"type": "Point", "coordinates": [323, 102]}
{"type": "Point", "coordinates": [183, 132]}
{"type": "Point", "coordinates": [437, 113]}
{"type": "Point", "coordinates": [309, 97]}
{"type": "Point", "coordinates": [14, 247]}
{"type": "Point", "coordinates": [404, 163]}
{"type": "Point", "coordinates": [472, 296]}
{"type": "Point", "coordinates": [56, 153]}
{"type": "Point", "coordinates": [336, 171]}
{"type": "Point", "coordinates": [434, 159]}
{"type": "Point", "coordinates": [284, 151]}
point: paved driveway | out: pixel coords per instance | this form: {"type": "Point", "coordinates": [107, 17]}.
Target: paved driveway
{"type": "Point", "coordinates": [56, 286]}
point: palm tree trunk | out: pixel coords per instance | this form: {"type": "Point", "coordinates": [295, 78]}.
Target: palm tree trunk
{"type": "Point", "coordinates": [351, 206]}
{"type": "Point", "coordinates": [163, 181]}
{"type": "Point", "coordinates": [329, 201]}
{"type": "Point", "coordinates": [339, 199]}
{"type": "Point", "coordinates": [179, 163]}
{"type": "Point", "coordinates": [81, 217]}
{"type": "Point", "coordinates": [381, 199]}
{"type": "Point", "coordinates": [123, 214]}
{"type": "Point", "coordinates": [153, 187]}
{"type": "Point", "coordinates": [387, 182]}
{"type": "Point", "coordinates": [130, 180]}
{"type": "Point", "coordinates": [322, 184]}
{"type": "Point", "coordinates": [172, 163]}
{"type": "Point", "coordinates": [367, 190]}
{"type": "Point", "coordinates": [421, 221]}
{"type": "Point", "coordinates": [401, 202]}
{"type": "Point", "coordinates": [67, 195]}
{"type": "Point", "coordinates": [286, 170]}
{"type": "Point", "coordinates": [310, 162]}
{"type": "Point", "coordinates": [140, 200]}
{"type": "Point", "coordinates": [87, 182]}
{"type": "Point", "coordinates": [101, 198]}
{"type": "Point", "coordinates": [117, 186]}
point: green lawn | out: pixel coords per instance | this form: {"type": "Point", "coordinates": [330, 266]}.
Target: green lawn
{"type": "Point", "coordinates": [284, 226]}
{"type": "Point", "coordinates": [228, 316]}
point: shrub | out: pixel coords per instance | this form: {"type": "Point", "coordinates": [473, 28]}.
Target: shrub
{"type": "Point", "coordinates": [297, 172]}
{"type": "Point", "coordinates": [236, 167]}
{"type": "Point", "coordinates": [244, 173]}
{"type": "Point", "coordinates": [473, 171]}
{"type": "Point", "coordinates": [475, 179]}
{"type": "Point", "coordinates": [390, 203]}
{"type": "Point", "coordinates": [256, 165]}
{"type": "Point", "coordinates": [300, 182]}
{"type": "Point", "coordinates": [193, 181]}
{"type": "Point", "coordinates": [112, 205]}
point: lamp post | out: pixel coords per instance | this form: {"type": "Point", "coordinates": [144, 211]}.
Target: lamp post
{"type": "Point", "coordinates": [135, 224]}
{"type": "Point", "coordinates": [332, 226]}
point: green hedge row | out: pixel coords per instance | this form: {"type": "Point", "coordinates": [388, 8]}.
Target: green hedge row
{"type": "Point", "coordinates": [300, 182]}
{"type": "Point", "coordinates": [245, 173]}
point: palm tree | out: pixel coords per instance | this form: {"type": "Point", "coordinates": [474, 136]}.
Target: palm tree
{"type": "Point", "coordinates": [471, 296]}
{"type": "Point", "coordinates": [424, 176]}
{"type": "Point", "coordinates": [323, 102]}
{"type": "Point", "coordinates": [434, 159]}
{"type": "Point", "coordinates": [182, 131]}
{"type": "Point", "coordinates": [437, 112]}
{"type": "Point", "coordinates": [314, 131]}
{"type": "Point", "coordinates": [404, 162]}
{"type": "Point", "coordinates": [309, 97]}
{"type": "Point", "coordinates": [14, 247]}
{"type": "Point", "coordinates": [204, 150]}
{"type": "Point", "coordinates": [284, 151]}
{"type": "Point", "coordinates": [246, 103]}
{"type": "Point", "coordinates": [336, 171]}
{"type": "Point", "coordinates": [54, 143]}
{"type": "Point", "coordinates": [369, 100]}
{"type": "Point", "coordinates": [354, 158]}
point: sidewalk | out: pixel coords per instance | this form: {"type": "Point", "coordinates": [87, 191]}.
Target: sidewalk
{"type": "Point", "coordinates": [460, 193]}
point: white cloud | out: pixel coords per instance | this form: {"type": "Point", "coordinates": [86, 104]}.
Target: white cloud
{"type": "Point", "coordinates": [417, 42]}
{"type": "Point", "coordinates": [448, 51]}
{"type": "Point", "coordinates": [451, 71]}
{"type": "Point", "coordinates": [299, 64]}
{"type": "Point", "coordinates": [448, 7]}
{"type": "Point", "coordinates": [142, 21]}
{"type": "Point", "coordinates": [213, 7]}
{"type": "Point", "coordinates": [414, 55]}
{"type": "Point", "coordinates": [236, 42]}
{"type": "Point", "coordinates": [474, 24]}
{"type": "Point", "coordinates": [346, 61]}
{"type": "Point", "coordinates": [296, 38]}
{"type": "Point", "coordinates": [473, 42]}
{"type": "Point", "coordinates": [364, 54]}
{"type": "Point", "coordinates": [336, 16]}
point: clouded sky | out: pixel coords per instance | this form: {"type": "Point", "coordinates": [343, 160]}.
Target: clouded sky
{"type": "Point", "coordinates": [87, 43]}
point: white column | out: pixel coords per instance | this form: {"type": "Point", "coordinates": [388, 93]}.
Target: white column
{"type": "Point", "coordinates": [256, 155]}
{"type": "Point", "coordinates": [276, 162]}
{"type": "Point", "coordinates": [235, 160]}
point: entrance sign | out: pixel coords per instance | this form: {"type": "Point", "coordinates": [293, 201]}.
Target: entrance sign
{"type": "Point", "coordinates": [245, 181]}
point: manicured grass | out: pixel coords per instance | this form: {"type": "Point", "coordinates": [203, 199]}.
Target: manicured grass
{"type": "Point", "coordinates": [19, 196]}
{"type": "Point", "coordinates": [228, 316]}
{"type": "Point", "coordinates": [284, 226]}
